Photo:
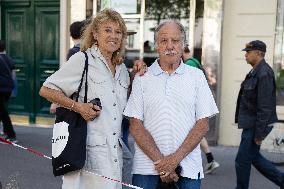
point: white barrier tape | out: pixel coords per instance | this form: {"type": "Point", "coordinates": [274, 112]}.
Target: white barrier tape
{"type": "Point", "coordinates": [115, 180]}
{"type": "Point", "coordinates": [42, 155]}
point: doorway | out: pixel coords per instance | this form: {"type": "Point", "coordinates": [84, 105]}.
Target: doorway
{"type": "Point", "coordinates": [31, 31]}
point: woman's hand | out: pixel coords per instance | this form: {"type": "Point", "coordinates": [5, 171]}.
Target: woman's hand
{"type": "Point", "coordinates": [139, 67]}
{"type": "Point", "coordinates": [87, 110]}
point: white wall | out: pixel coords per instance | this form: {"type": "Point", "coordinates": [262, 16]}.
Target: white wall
{"type": "Point", "coordinates": [78, 10]}
{"type": "Point", "coordinates": [63, 31]}
{"type": "Point", "coordinates": [243, 21]}
{"type": "Point", "coordinates": [77, 13]}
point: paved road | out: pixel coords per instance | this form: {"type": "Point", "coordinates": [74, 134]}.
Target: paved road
{"type": "Point", "coordinates": [22, 170]}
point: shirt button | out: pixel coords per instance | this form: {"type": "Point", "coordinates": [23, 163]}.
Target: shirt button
{"type": "Point", "coordinates": [114, 104]}
{"type": "Point", "coordinates": [114, 133]}
{"type": "Point", "coordinates": [114, 146]}
{"type": "Point", "coordinates": [115, 160]}
{"type": "Point", "coordinates": [113, 91]}
{"type": "Point", "coordinates": [114, 118]}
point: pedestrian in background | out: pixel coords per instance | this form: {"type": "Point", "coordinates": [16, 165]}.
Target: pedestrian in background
{"type": "Point", "coordinates": [256, 114]}
{"type": "Point", "coordinates": [211, 165]}
{"type": "Point", "coordinates": [6, 86]}
{"type": "Point", "coordinates": [76, 31]}
{"type": "Point", "coordinates": [168, 109]}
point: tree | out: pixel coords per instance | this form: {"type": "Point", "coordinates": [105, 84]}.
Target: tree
{"type": "Point", "coordinates": [171, 9]}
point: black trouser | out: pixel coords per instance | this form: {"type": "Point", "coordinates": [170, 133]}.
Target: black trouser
{"type": "Point", "coordinates": [4, 115]}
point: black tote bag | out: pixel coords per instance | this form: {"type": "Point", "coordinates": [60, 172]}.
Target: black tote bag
{"type": "Point", "coordinates": [69, 135]}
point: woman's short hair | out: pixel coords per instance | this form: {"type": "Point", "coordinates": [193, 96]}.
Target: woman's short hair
{"type": "Point", "coordinates": [102, 17]}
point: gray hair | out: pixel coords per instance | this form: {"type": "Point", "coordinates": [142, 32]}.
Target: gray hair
{"type": "Point", "coordinates": [180, 26]}
{"type": "Point", "coordinates": [261, 53]}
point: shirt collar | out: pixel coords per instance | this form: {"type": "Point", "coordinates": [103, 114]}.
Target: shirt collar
{"type": "Point", "coordinates": [96, 53]}
{"type": "Point", "coordinates": [157, 70]}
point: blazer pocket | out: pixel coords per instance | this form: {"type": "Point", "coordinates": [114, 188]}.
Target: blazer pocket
{"type": "Point", "coordinates": [97, 150]}
{"type": "Point", "coordinates": [122, 91]}
{"type": "Point", "coordinates": [98, 84]}
{"type": "Point", "coordinates": [96, 140]}
{"type": "Point", "coordinates": [123, 84]}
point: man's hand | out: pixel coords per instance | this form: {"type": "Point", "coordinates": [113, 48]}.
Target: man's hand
{"type": "Point", "coordinates": [169, 177]}
{"type": "Point", "coordinates": [166, 165]}
{"type": "Point", "coordinates": [258, 141]}
{"type": "Point", "coordinates": [139, 67]}
{"type": "Point", "coordinates": [52, 108]}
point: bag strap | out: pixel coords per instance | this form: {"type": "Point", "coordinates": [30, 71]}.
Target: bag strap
{"type": "Point", "coordinates": [82, 78]}
{"type": "Point", "coordinates": [86, 82]}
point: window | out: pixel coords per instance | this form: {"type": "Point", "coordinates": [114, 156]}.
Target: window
{"type": "Point", "coordinates": [130, 41]}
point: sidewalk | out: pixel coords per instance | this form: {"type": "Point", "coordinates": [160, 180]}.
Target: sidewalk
{"type": "Point", "coordinates": [20, 169]}
{"type": "Point", "coordinates": [224, 177]}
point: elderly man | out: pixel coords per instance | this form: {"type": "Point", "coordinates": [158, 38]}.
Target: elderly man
{"type": "Point", "coordinates": [169, 108]}
{"type": "Point", "coordinates": [255, 114]}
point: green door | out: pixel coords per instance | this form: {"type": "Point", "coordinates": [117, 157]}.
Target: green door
{"type": "Point", "coordinates": [46, 49]}
{"type": "Point", "coordinates": [31, 31]}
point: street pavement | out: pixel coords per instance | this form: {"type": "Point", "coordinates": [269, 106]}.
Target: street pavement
{"type": "Point", "coordinates": [20, 169]}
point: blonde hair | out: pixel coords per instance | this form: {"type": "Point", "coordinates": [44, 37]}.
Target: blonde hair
{"type": "Point", "coordinates": [102, 17]}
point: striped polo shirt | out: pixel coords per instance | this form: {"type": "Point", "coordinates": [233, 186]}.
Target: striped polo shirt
{"type": "Point", "coordinates": [169, 106]}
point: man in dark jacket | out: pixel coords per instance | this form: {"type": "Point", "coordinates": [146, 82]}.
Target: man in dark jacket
{"type": "Point", "coordinates": [6, 87]}
{"type": "Point", "coordinates": [256, 114]}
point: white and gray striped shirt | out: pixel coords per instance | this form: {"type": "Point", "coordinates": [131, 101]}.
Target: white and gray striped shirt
{"type": "Point", "coordinates": [169, 106]}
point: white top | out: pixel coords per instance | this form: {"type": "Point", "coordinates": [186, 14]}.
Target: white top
{"type": "Point", "coordinates": [104, 155]}
{"type": "Point", "coordinates": [169, 106]}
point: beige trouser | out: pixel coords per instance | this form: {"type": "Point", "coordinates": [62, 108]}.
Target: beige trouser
{"type": "Point", "coordinates": [84, 180]}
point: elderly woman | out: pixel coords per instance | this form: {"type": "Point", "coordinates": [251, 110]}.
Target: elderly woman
{"type": "Point", "coordinates": [108, 79]}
